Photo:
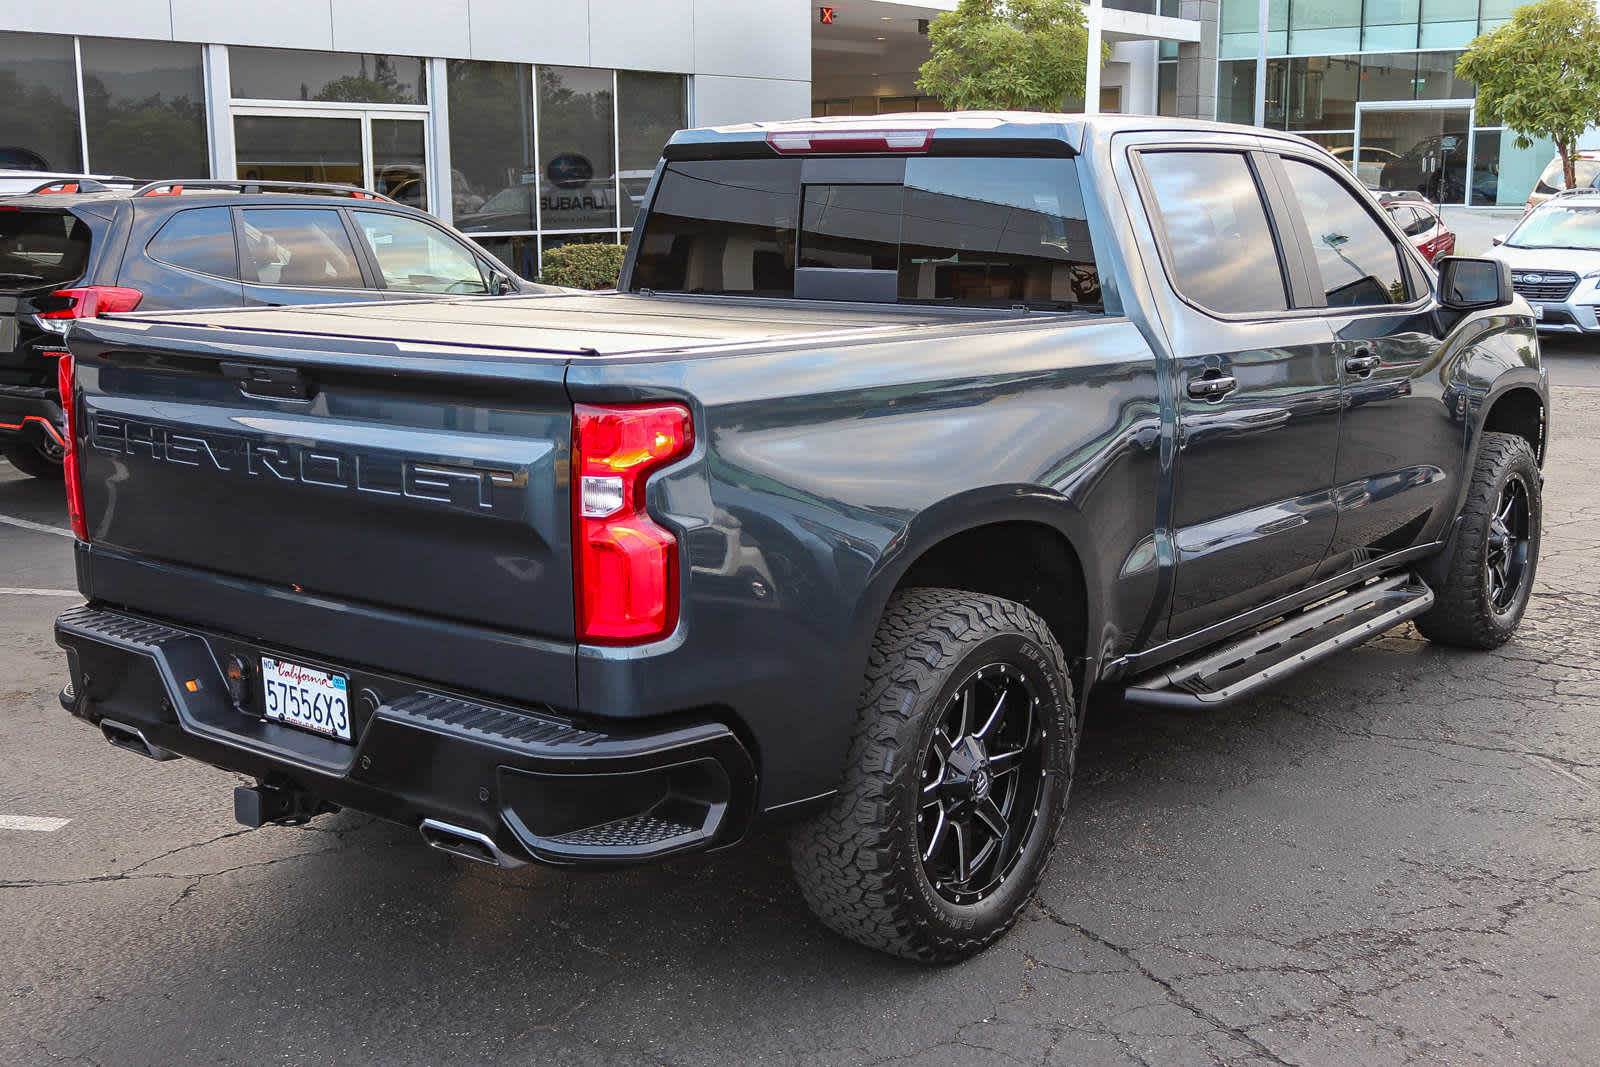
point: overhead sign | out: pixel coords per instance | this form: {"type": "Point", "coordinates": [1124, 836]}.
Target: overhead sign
{"type": "Point", "coordinates": [825, 15]}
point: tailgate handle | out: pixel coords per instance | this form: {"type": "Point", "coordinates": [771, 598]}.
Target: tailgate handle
{"type": "Point", "coordinates": [269, 383]}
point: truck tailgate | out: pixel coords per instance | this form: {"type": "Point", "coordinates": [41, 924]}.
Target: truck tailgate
{"type": "Point", "coordinates": [330, 480]}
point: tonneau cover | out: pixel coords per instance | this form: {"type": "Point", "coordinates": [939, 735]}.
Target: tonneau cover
{"type": "Point", "coordinates": [579, 324]}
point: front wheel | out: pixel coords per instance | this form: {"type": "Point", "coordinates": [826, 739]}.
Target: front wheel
{"type": "Point", "coordinates": [956, 782]}
{"type": "Point", "coordinates": [34, 460]}
{"type": "Point", "coordinates": [1490, 574]}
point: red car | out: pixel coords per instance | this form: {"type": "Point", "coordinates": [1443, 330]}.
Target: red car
{"type": "Point", "coordinates": [1422, 225]}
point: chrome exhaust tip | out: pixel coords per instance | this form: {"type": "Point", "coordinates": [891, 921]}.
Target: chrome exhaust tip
{"type": "Point", "coordinates": [468, 844]}
{"type": "Point", "coordinates": [132, 738]}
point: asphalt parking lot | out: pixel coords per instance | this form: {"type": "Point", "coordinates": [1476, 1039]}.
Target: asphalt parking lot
{"type": "Point", "coordinates": [1392, 858]}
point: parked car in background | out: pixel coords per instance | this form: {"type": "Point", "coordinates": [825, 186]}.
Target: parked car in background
{"type": "Point", "coordinates": [1369, 168]}
{"type": "Point", "coordinates": [1436, 167]}
{"type": "Point", "coordinates": [67, 255]}
{"type": "Point", "coordinates": [1422, 225]}
{"type": "Point", "coordinates": [1554, 255]}
{"type": "Point", "coordinates": [1586, 168]}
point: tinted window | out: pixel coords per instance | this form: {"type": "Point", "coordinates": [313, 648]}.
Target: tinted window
{"type": "Point", "coordinates": [1217, 232]}
{"type": "Point", "coordinates": [145, 103]}
{"type": "Point", "coordinates": [1423, 222]}
{"type": "Point", "coordinates": [41, 248]}
{"type": "Point", "coordinates": [299, 246]}
{"type": "Point", "coordinates": [288, 74]}
{"type": "Point", "coordinates": [722, 226]}
{"type": "Point", "coordinates": [199, 240]}
{"type": "Point", "coordinates": [1360, 264]}
{"type": "Point", "coordinates": [969, 231]}
{"type": "Point", "coordinates": [414, 257]}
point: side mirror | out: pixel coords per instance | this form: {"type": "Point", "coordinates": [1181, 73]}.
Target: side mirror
{"type": "Point", "coordinates": [1498, 241]}
{"type": "Point", "coordinates": [1470, 284]}
{"type": "Point", "coordinates": [503, 285]}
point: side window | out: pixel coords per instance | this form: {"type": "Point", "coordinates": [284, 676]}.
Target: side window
{"type": "Point", "coordinates": [200, 240]}
{"type": "Point", "coordinates": [1217, 232]}
{"type": "Point", "coordinates": [1359, 262]}
{"type": "Point", "coordinates": [299, 246]}
{"type": "Point", "coordinates": [414, 257]}
{"type": "Point", "coordinates": [1424, 222]}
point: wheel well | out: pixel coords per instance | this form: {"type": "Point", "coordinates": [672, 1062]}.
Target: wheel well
{"type": "Point", "coordinates": [1519, 412]}
{"type": "Point", "coordinates": [1028, 562]}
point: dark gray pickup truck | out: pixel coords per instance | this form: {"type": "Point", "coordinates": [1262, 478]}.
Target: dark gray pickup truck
{"type": "Point", "coordinates": [901, 437]}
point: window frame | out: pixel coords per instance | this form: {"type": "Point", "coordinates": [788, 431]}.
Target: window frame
{"type": "Point", "coordinates": [1291, 268]}
{"type": "Point", "coordinates": [233, 229]}
{"type": "Point", "coordinates": [1419, 277]}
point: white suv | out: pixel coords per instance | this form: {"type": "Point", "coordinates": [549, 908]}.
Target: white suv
{"type": "Point", "coordinates": [1554, 255]}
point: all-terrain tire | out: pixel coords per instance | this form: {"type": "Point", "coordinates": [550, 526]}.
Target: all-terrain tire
{"type": "Point", "coordinates": [1464, 612]}
{"type": "Point", "coordinates": [859, 863]}
{"type": "Point", "coordinates": [28, 459]}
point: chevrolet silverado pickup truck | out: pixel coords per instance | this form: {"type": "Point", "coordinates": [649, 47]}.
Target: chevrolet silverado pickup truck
{"type": "Point", "coordinates": [900, 437]}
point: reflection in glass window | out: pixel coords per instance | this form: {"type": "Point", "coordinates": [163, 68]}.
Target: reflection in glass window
{"type": "Point", "coordinates": [145, 103]}
{"type": "Point", "coordinates": [1389, 76]}
{"type": "Point", "coordinates": [1236, 91]}
{"type": "Point", "coordinates": [1448, 23]}
{"type": "Point", "coordinates": [346, 77]}
{"type": "Point", "coordinates": [199, 240]}
{"type": "Point", "coordinates": [650, 109]}
{"type": "Point", "coordinates": [1217, 233]}
{"type": "Point", "coordinates": [1359, 262]}
{"type": "Point", "coordinates": [41, 248]}
{"type": "Point", "coordinates": [1559, 225]}
{"type": "Point", "coordinates": [1324, 26]}
{"type": "Point", "coordinates": [722, 227]}
{"type": "Point", "coordinates": [491, 145]}
{"type": "Point", "coordinates": [298, 148]}
{"type": "Point", "coordinates": [414, 257]}
{"type": "Point", "coordinates": [577, 189]}
{"type": "Point", "coordinates": [987, 231]}
{"type": "Point", "coordinates": [1391, 24]}
{"type": "Point", "coordinates": [855, 227]}
{"type": "Point", "coordinates": [1436, 78]}
{"type": "Point", "coordinates": [1322, 92]}
{"type": "Point", "coordinates": [39, 102]}
{"type": "Point", "coordinates": [518, 253]}
{"type": "Point", "coordinates": [300, 247]}
{"type": "Point", "coordinates": [400, 161]}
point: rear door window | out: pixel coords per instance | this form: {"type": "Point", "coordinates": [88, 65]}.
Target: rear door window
{"type": "Point", "coordinates": [299, 247]}
{"type": "Point", "coordinates": [1222, 252]}
{"type": "Point", "coordinates": [39, 248]}
{"type": "Point", "coordinates": [200, 240]}
{"type": "Point", "coordinates": [1358, 260]}
{"type": "Point", "coordinates": [722, 226]}
{"type": "Point", "coordinates": [414, 257]}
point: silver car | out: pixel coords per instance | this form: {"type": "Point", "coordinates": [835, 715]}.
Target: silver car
{"type": "Point", "coordinates": [1554, 255]}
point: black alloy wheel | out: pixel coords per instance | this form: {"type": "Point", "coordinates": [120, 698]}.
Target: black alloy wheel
{"type": "Point", "coordinates": [1506, 561]}
{"type": "Point", "coordinates": [981, 779]}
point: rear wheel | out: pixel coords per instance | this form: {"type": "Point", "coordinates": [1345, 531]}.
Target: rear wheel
{"type": "Point", "coordinates": [1490, 575]}
{"type": "Point", "coordinates": [956, 783]}
{"type": "Point", "coordinates": [39, 461]}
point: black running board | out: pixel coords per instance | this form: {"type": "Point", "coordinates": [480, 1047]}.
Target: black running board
{"type": "Point", "coordinates": [1235, 670]}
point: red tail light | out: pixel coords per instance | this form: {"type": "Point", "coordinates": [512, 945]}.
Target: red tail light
{"type": "Point", "coordinates": [69, 460]}
{"type": "Point", "coordinates": [625, 567]}
{"type": "Point", "coordinates": [92, 300]}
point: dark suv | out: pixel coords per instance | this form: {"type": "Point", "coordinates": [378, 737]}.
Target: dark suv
{"type": "Point", "coordinates": [75, 249]}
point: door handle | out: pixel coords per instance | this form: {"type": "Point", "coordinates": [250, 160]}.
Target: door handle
{"type": "Point", "coordinates": [1213, 386]}
{"type": "Point", "coordinates": [1362, 363]}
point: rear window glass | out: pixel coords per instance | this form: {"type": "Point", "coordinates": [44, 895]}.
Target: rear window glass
{"type": "Point", "coordinates": [199, 240]}
{"type": "Point", "coordinates": [41, 248]}
{"type": "Point", "coordinates": [962, 231]}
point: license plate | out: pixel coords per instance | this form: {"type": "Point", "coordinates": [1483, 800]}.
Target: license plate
{"type": "Point", "coordinates": [306, 697]}
{"type": "Point", "coordinates": [1538, 310]}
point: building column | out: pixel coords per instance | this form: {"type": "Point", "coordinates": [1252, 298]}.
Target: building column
{"type": "Point", "coordinates": [1197, 61]}
{"type": "Point", "coordinates": [219, 112]}
{"type": "Point", "coordinates": [1091, 77]}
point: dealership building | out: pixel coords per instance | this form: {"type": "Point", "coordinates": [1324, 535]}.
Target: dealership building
{"type": "Point", "coordinates": [531, 124]}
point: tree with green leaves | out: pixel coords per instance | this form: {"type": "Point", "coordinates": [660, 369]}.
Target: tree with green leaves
{"type": "Point", "coordinates": [1539, 74]}
{"type": "Point", "coordinates": [1016, 55]}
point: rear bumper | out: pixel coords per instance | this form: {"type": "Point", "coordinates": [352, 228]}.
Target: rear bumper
{"type": "Point", "coordinates": [532, 782]}
{"type": "Point", "coordinates": [31, 411]}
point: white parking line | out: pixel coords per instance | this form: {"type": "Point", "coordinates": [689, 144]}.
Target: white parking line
{"type": "Point", "coordinates": [41, 824]}
{"type": "Point", "coordinates": [39, 592]}
{"type": "Point", "coordinates": [37, 527]}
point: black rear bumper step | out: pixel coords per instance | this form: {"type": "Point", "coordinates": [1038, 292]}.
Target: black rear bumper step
{"type": "Point", "coordinates": [1218, 676]}
{"type": "Point", "coordinates": [529, 782]}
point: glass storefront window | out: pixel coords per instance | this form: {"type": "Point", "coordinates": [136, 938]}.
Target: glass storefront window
{"type": "Point", "coordinates": [577, 183]}
{"type": "Point", "coordinates": [1390, 24]}
{"type": "Point", "coordinates": [519, 253]}
{"type": "Point", "coordinates": [491, 146]}
{"type": "Point", "coordinates": [39, 102]}
{"type": "Point", "coordinates": [1448, 23]}
{"type": "Point", "coordinates": [650, 109]}
{"type": "Point", "coordinates": [285, 148]}
{"type": "Point", "coordinates": [400, 161]}
{"type": "Point", "coordinates": [1237, 31]}
{"type": "Point", "coordinates": [1389, 77]}
{"type": "Point", "coordinates": [1236, 91]}
{"type": "Point", "coordinates": [1167, 89]}
{"type": "Point", "coordinates": [1436, 78]}
{"type": "Point", "coordinates": [350, 77]}
{"type": "Point", "coordinates": [1322, 92]}
{"type": "Point", "coordinates": [1324, 26]}
{"type": "Point", "coordinates": [1501, 168]}
{"type": "Point", "coordinates": [1277, 109]}
{"type": "Point", "coordinates": [145, 104]}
